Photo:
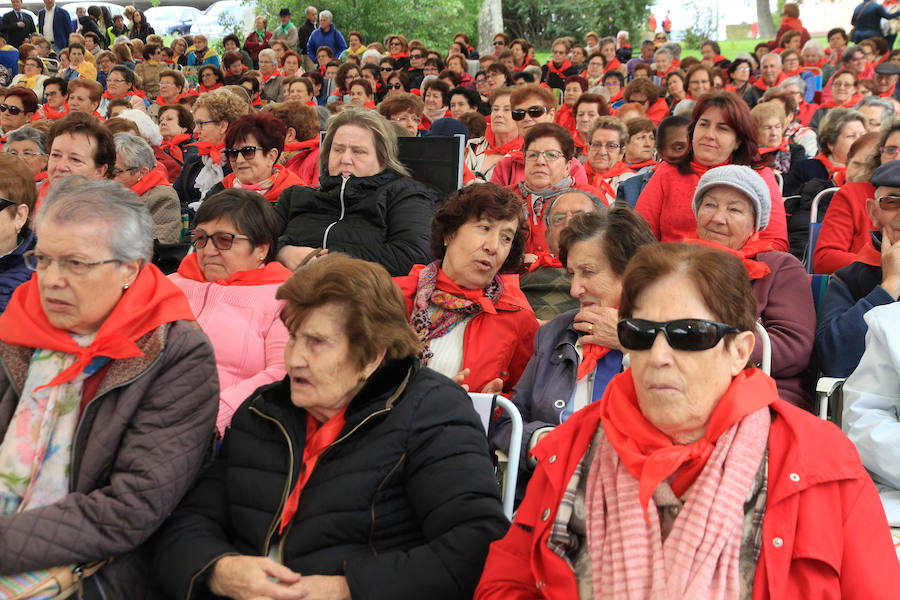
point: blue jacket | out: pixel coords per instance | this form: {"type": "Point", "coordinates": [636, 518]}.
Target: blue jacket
{"type": "Point", "coordinates": [319, 38]}
{"type": "Point", "coordinates": [13, 271]}
{"type": "Point", "coordinates": [867, 20]}
{"type": "Point", "coordinates": [62, 26]}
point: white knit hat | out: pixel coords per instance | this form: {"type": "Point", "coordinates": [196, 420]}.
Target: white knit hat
{"type": "Point", "coordinates": [745, 180]}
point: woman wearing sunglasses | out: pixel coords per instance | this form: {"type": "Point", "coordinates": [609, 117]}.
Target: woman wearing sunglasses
{"type": "Point", "coordinates": [16, 109]}
{"type": "Point", "coordinates": [17, 198]}
{"type": "Point", "coordinates": [732, 205]}
{"type": "Point", "coordinates": [253, 145]}
{"type": "Point", "coordinates": [691, 478]}
{"type": "Point", "coordinates": [230, 283]}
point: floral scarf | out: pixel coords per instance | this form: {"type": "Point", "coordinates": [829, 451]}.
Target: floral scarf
{"type": "Point", "coordinates": [536, 200]}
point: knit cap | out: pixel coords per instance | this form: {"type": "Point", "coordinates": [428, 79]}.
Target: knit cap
{"type": "Point", "coordinates": [745, 180]}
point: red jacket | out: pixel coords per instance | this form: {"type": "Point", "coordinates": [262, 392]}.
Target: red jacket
{"type": "Point", "coordinates": [305, 165]}
{"type": "Point", "coordinates": [566, 118]}
{"type": "Point", "coordinates": [846, 228]}
{"type": "Point", "coordinates": [253, 44]}
{"type": "Point", "coordinates": [666, 205]}
{"type": "Point", "coordinates": [494, 344]}
{"type": "Point", "coordinates": [822, 511]}
{"type": "Point", "coordinates": [659, 111]}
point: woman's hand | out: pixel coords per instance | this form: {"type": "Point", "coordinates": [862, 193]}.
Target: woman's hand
{"type": "Point", "coordinates": [249, 577]}
{"type": "Point", "coordinates": [599, 323]}
{"type": "Point", "coordinates": [293, 256]}
{"type": "Point", "coordinates": [323, 587]}
{"type": "Point", "coordinates": [494, 386]}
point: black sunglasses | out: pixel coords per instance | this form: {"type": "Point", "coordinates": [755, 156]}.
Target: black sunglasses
{"type": "Point", "coordinates": [386, 69]}
{"type": "Point", "coordinates": [248, 152]}
{"type": "Point", "coordinates": [533, 111]}
{"type": "Point", "coordinates": [394, 86]}
{"type": "Point", "coordinates": [682, 334]}
{"type": "Point", "coordinates": [13, 110]}
{"type": "Point", "coordinates": [4, 203]}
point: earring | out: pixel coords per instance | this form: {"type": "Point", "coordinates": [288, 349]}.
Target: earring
{"type": "Point", "coordinates": [125, 287]}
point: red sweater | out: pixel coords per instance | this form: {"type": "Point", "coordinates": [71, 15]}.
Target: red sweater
{"type": "Point", "coordinates": [846, 228]}
{"type": "Point", "coordinates": [666, 205]}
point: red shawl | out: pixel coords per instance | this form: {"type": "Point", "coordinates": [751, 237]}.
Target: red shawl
{"type": "Point", "coordinates": [273, 272]}
{"type": "Point", "coordinates": [853, 101]}
{"type": "Point", "coordinates": [312, 142]}
{"type": "Point", "coordinates": [545, 259]}
{"type": "Point", "coordinates": [50, 113]}
{"type": "Point", "coordinates": [158, 176]}
{"type": "Point", "coordinates": [506, 148]}
{"type": "Point", "coordinates": [601, 180]}
{"type": "Point", "coordinates": [640, 165]}
{"type": "Point", "coordinates": [275, 73]}
{"type": "Point", "coordinates": [215, 86]}
{"type": "Point", "coordinates": [761, 84]}
{"type": "Point", "coordinates": [613, 65]}
{"type": "Point", "coordinates": [152, 300]}
{"type": "Point", "coordinates": [767, 149]}
{"type": "Point", "coordinates": [889, 93]}
{"type": "Point", "coordinates": [836, 173]}
{"type": "Point", "coordinates": [160, 101]}
{"type": "Point", "coordinates": [132, 92]}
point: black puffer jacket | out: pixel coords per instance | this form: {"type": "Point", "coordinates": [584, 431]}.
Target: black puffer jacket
{"type": "Point", "coordinates": [404, 504]}
{"type": "Point", "coordinates": [385, 218]}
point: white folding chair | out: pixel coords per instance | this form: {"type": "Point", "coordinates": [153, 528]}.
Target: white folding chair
{"type": "Point", "coordinates": [766, 363]}
{"type": "Point", "coordinates": [484, 405]}
{"type": "Point", "coordinates": [815, 227]}
{"type": "Point", "coordinates": [830, 396]}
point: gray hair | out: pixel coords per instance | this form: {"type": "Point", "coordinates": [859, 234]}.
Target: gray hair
{"type": "Point", "coordinates": [814, 46]}
{"type": "Point", "coordinates": [129, 227]}
{"type": "Point", "coordinates": [684, 108]}
{"type": "Point", "coordinates": [135, 151]}
{"type": "Point", "coordinates": [383, 134]}
{"type": "Point", "coordinates": [674, 49]}
{"type": "Point", "coordinates": [271, 54]}
{"type": "Point", "coordinates": [663, 50]}
{"type": "Point", "coordinates": [883, 103]}
{"type": "Point", "coordinates": [599, 205]}
{"type": "Point", "coordinates": [28, 134]}
{"type": "Point", "coordinates": [371, 52]}
{"type": "Point", "coordinates": [795, 80]}
{"type": "Point", "coordinates": [771, 55]}
{"type": "Point", "coordinates": [327, 14]}
{"type": "Point", "coordinates": [147, 128]}
{"type": "Point", "coordinates": [833, 123]}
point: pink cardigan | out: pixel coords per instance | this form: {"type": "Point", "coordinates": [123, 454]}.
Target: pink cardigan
{"type": "Point", "coordinates": [246, 333]}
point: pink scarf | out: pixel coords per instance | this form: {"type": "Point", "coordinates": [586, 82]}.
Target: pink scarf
{"type": "Point", "coordinates": [700, 557]}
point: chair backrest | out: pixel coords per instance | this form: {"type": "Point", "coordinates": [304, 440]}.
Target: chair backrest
{"type": "Point", "coordinates": [766, 363]}
{"type": "Point", "coordinates": [435, 161]}
{"type": "Point", "coordinates": [819, 284]}
{"type": "Point", "coordinates": [484, 405]}
{"type": "Point", "coordinates": [830, 398]}
{"type": "Point", "coordinates": [815, 226]}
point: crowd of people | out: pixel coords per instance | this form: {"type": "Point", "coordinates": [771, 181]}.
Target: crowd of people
{"type": "Point", "coordinates": [236, 332]}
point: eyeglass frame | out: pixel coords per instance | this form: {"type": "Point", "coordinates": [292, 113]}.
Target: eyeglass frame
{"type": "Point", "coordinates": [532, 155]}
{"type": "Point", "coordinates": [658, 327]}
{"type": "Point", "coordinates": [13, 110]}
{"type": "Point", "coordinates": [892, 197]}
{"type": "Point", "coordinates": [561, 218]}
{"type": "Point", "coordinates": [232, 153]}
{"type": "Point", "coordinates": [205, 238]}
{"type": "Point", "coordinates": [518, 114]}
{"type": "Point", "coordinates": [610, 146]}
{"type": "Point", "coordinates": [73, 266]}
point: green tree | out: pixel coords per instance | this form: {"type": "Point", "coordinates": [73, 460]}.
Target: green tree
{"type": "Point", "coordinates": [541, 21]}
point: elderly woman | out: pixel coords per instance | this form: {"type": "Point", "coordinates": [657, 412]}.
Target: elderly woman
{"type": "Point", "coordinates": [722, 131]}
{"type": "Point", "coordinates": [253, 145]}
{"type": "Point", "coordinates": [346, 74]}
{"type": "Point", "coordinates": [584, 112]}
{"type": "Point", "coordinates": [108, 387]}
{"type": "Point", "coordinates": [739, 71]}
{"type": "Point", "coordinates": [233, 68]}
{"type": "Point", "coordinates": [214, 112]}
{"type": "Point", "coordinates": [258, 39]}
{"type": "Point", "coordinates": [436, 96]}
{"type": "Point", "coordinates": [29, 145]}
{"type": "Point", "coordinates": [137, 168]}
{"type": "Point", "coordinates": [676, 91]}
{"type": "Point", "coordinates": [474, 323]}
{"type": "Point", "coordinates": [777, 152]}
{"type": "Point", "coordinates": [230, 282]}
{"type": "Point", "coordinates": [85, 96]}
{"type": "Point", "coordinates": [500, 138]}
{"type": "Point", "coordinates": [548, 148]}
{"type": "Point", "coordinates": [175, 125]}
{"type": "Point", "coordinates": [79, 145]}
{"type": "Point", "coordinates": [361, 93]}
{"type": "Point", "coordinates": [845, 96]}
{"type": "Point", "coordinates": [695, 478]}
{"type": "Point", "coordinates": [366, 205]}
{"type": "Point", "coordinates": [271, 76]}
{"type": "Point", "coordinates": [605, 168]}
{"type": "Point", "coordinates": [638, 151]}
{"type": "Point", "coordinates": [403, 109]}
{"type": "Point", "coordinates": [301, 142]}
{"type": "Point", "coordinates": [732, 205]}
{"type": "Point", "coordinates": [577, 353]}
{"type": "Point", "coordinates": [32, 77]}
{"type": "Point", "coordinates": [383, 509]}
{"type": "Point", "coordinates": [847, 226]}
{"type": "Point", "coordinates": [17, 109]}
{"type": "Point", "coordinates": [17, 198]}
{"type": "Point", "coordinates": [211, 78]}
{"type": "Point", "coordinates": [171, 91]}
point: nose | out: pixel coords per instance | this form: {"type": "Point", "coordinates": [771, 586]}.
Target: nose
{"type": "Point", "coordinates": [660, 351]}
{"type": "Point", "coordinates": [491, 243]}
{"type": "Point", "coordinates": [576, 290]}
{"type": "Point", "coordinates": [294, 356]}
{"type": "Point", "coordinates": [52, 276]}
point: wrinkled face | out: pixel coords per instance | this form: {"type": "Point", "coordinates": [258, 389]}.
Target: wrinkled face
{"type": "Point", "coordinates": [501, 116]}
{"type": "Point", "coordinates": [409, 120]}
{"type": "Point", "coordinates": [324, 376]}
{"type": "Point", "coordinates": [80, 303]}
{"type": "Point", "coordinates": [707, 53]}
{"type": "Point", "coordinates": [663, 62]}
{"type": "Point", "coordinates": [714, 139]}
{"type": "Point", "coordinates": [291, 66]}
{"type": "Point", "coordinates": [32, 68]}
{"type": "Point", "coordinates": [584, 116]}
{"type": "Point", "coordinates": [594, 283]}
{"type": "Point", "coordinates": [476, 251]}
{"type": "Point", "coordinates": [27, 151]}
{"type": "Point", "coordinates": [80, 101]}
{"type": "Point", "coordinates": [771, 131]}
{"type": "Point", "coordinates": [874, 116]}
{"type": "Point", "coordinates": [857, 61]}
{"type": "Point", "coordinates": [116, 84]}
{"type": "Point", "coordinates": [608, 51]}
{"type": "Point", "coordinates": [11, 121]}
{"type": "Point", "coordinates": [884, 218]}
{"type": "Point", "coordinates": [572, 93]}
{"type": "Point", "coordinates": [675, 146]}
{"type": "Point", "coordinates": [358, 95]}
{"type": "Point", "coordinates": [613, 86]}
{"type": "Point", "coordinates": [258, 167]}
{"type": "Point", "coordinates": [543, 171]}
{"type": "Point", "coordinates": [640, 147]}
{"type": "Point", "coordinates": [566, 207]}
{"type": "Point", "coordinates": [124, 174]}
{"type": "Point", "coordinates": [200, 45]}
{"type": "Point", "coordinates": [770, 69]}
{"type": "Point", "coordinates": [299, 92]}
{"type": "Point", "coordinates": [559, 54]}
{"type": "Point", "coordinates": [725, 216]}
{"type": "Point", "coordinates": [605, 150]}
{"type": "Point", "coordinates": [810, 56]}
{"type": "Point", "coordinates": [741, 74]}
{"type": "Point", "coordinates": [595, 67]}
{"type": "Point", "coordinates": [578, 56]}
{"type": "Point", "coordinates": [266, 65]}
{"type": "Point", "coordinates": [168, 88]}
{"type": "Point", "coordinates": [430, 70]}
{"type": "Point", "coordinates": [459, 105]}
{"type": "Point", "coordinates": [222, 264]}
{"type": "Point", "coordinates": [675, 86]}
{"type": "Point", "coordinates": [434, 100]}
{"type": "Point", "coordinates": [677, 390]}
{"type": "Point", "coordinates": [518, 53]}
{"type": "Point", "coordinates": [843, 88]}
{"type": "Point", "coordinates": [324, 22]}
{"type": "Point", "coordinates": [699, 84]}
{"type": "Point", "coordinates": [849, 134]}
{"type": "Point", "coordinates": [322, 58]}
{"type": "Point", "coordinates": [884, 83]}
{"type": "Point", "coordinates": [73, 154]}
{"type": "Point", "coordinates": [261, 24]}
{"type": "Point", "coordinates": [836, 41]}
{"type": "Point", "coordinates": [353, 153]}
{"type": "Point", "coordinates": [857, 164]}
{"type": "Point", "coordinates": [168, 124]}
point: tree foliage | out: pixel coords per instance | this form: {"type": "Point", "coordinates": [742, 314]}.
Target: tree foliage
{"type": "Point", "coordinates": [435, 22]}
{"type": "Point", "coordinates": [542, 21]}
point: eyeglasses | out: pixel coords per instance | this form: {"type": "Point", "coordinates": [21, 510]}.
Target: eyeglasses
{"type": "Point", "coordinates": [548, 155]}
{"type": "Point", "coordinates": [13, 110]}
{"type": "Point", "coordinates": [115, 80]}
{"type": "Point", "coordinates": [500, 43]}
{"type": "Point", "coordinates": [23, 153]}
{"type": "Point", "coordinates": [415, 56]}
{"type": "Point", "coordinates": [248, 152]}
{"type": "Point", "coordinates": [220, 239]}
{"type": "Point", "coordinates": [387, 69]}
{"type": "Point", "coordinates": [394, 86]}
{"type": "Point", "coordinates": [610, 146]}
{"type": "Point", "coordinates": [889, 150]}
{"type": "Point", "coordinates": [202, 124]}
{"type": "Point", "coordinates": [41, 262]}
{"type": "Point", "coordinates": [4, 204]}
{"type": "Point", "coordinates": [557, 219]}
{"type": "Point", "coordinates": [889, 203]}
{"type": "Point", "coordinates": [132, 170]}
{"type": "Point", "coordinates": [692, 335]}
{"type": "Point", "coordinates": [406, 119]}
{"type": "Point", "coordinates": [533, 111]}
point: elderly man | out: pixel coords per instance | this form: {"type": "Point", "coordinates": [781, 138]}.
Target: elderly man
{"type": "Point", "coordinates": [876, 111]}
{"type": "Point", "coordinates": [886, 76]}
{"type": "Point", "coordinates": [17, 25]}
{"type": "Point", "coordinates": [873, 279]}
{"type": "Point", "coordinates": [136, 168]}
{"type": "Point", "coordinates": [771, 76]}
{"type": "Point", "coordinates": [304, 31]}
{"type": "Point", "coordinates": [286, 32]}
{"type": "Point", "coordinates": [645, 58]}
{"type": "Point", "coordinates": [326, 35]}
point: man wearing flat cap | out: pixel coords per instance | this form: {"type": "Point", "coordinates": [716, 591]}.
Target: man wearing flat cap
{"type": "Point", "coordinates": [886, 76]}
{"type": "Point", "coordinates": [873, 279]}
{"type": "Point", "coordinates": [286, 32]}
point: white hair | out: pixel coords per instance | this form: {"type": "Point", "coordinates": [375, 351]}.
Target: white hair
{"type": "Point", "coordinates": [135, 151]}
{"type": "Point", "coordinates": [147, 128]}
{"type": "Point", "coordinates": [327, 14]}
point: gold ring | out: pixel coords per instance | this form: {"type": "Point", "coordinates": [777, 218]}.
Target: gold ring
{"type": "Point", "coordinates": [590, 328]}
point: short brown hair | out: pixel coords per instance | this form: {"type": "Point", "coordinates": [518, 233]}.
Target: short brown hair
{"type": "Point", "coordinates": [175, 75]}
{"type": "Point", "coordinates": [720, 278]}
{"type": "Point", "coordinates": [643, 86]}
{"type": "Point", "coordinates": [17, 184]}
{"type": "Point", "coordinates": [522, 92]}
{"type": "Point", "coordinates": [119, 125]}
{"type": "Point", "coordinates": [298, 116]}
{"type": "Point", "coordinates": [248, 211]}
{"type": "Point", "coordinates": [394, 105]}
{"type": "Point", "coordinates": [473, 201]}
{"type": "Point", "coordinates": [589, 98]}
{"type": "Point", "coordinates": [619, 231]}
{"type": "Point", "coordinates": [611, 123]}
{"type": "Point", "coordinates": [185, 117]}
{"type": "Point", "coordinates": [374, 306]}
{"type": "Point", "coordinates": [640, 125]}
{"type": "Point", "coordinates": [94, 89]}
{"type": "Point", "coordinates": [551, 130]}
{"type": "Point", "coordinates": [88, 126]}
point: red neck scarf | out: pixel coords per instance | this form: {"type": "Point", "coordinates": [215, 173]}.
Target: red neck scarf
{"type": "Point", "coordinates": [50, 113]}
{"type": "Point", "coordinates": [506, 148]}
{"type": "Point", "coordinates": [700, 169]}
{"type": "Point", "coordinates": [215, 86]}
{"type": "Point", "coordinates": [551, 66]}
{"type": "Point", "coordinates": [761, 84]}
{"type": "Point", "coordinates": [617, 97]}
{"type": "Point", "coordinates": [132, 92]}
{"type": "Point", "coordinates": [817, 65]}
{"type": "Point", "coordinates": [545, 259]}
{"type": "Point", "coordinates": [273, 272]}
{"type": "Point", "coordinates": [662, 74]}
{"type": "Point", "coordinates": [753, 246]}
{"type": "Point", "coordinates": [312, 142]}
{"type": "Point", "coordinates": [836, 173]}
{"type": "Point", "coordinates": [649, 455]}
{"type": "Point", "coordinates": [640, 165]}
{"type": "Point", "coordinates": [173, 146]}
{"type": "Point", "coordinates": [160, 101]}
{"type": "Point", "coordinates": [889, 93]}
{"type": "Point", "coordinates": [158, 176]}
{"type": "Point", "coordinates": [283, 179]}
{"type": "Point", "coordinates": [592, 353]}
{"type": "Point", "coordinates": [767, 149]}
{"type": "Point", "coordinates": [601, 180]}
{"type": "Point", "coordinates": [275, 73]}
{"type": "Point", "coordinates": [612, 66]}
{"type": "Point", "coordinates": [39, 177]}
{"type": "Point", "coordinates": [853, 101]}
{"type": "Point", "coordinates": [400, 55]}
{"type": "Point", "coordinates": [152, 300]}
{"type": "Point", "coordinates": [214, 151]}
{"type": "Point", "coordinates": [96, 114]}
{"type": "Point", "coordinates": [796, 72]}
{"type": "Point", "coordinates": [792, 23]}
{"type": "Point", "coordinates": [868, 255]}
{"type": "Point", "coordinates": [317, 439]}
